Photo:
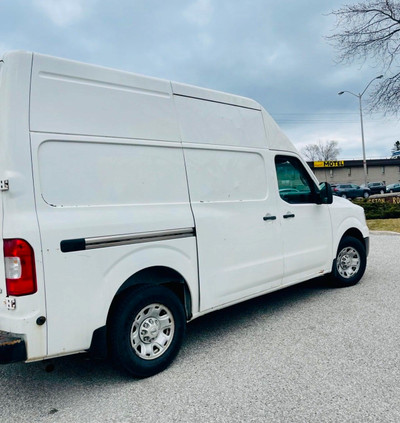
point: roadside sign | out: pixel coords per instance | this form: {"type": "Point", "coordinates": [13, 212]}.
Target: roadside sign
{"type": "Point", "coordinates": [329, 163]}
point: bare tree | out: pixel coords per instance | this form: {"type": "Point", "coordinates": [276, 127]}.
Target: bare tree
{"type": "Point", "coordinates": [328, 150]}
{"type": "Point", "coordinates": [371, 29]}
{"type": "Point", "coordinates": [311, 152]}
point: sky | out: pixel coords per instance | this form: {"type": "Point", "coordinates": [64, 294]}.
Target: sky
{"type": "Point", "coordinates": [275, 52]}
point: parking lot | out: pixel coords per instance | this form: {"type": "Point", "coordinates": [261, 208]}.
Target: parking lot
{"type": "Point", "coordinates": [305, 354]}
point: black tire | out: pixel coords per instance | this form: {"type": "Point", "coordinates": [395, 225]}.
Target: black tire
{"type": "Point", "coordinates": [350, 263]}
{"type": "Point", "coordinates": [344, 196]}
{"type": "Point", "coordinates": [366, 194]}
{"type": "Point", "coordinates": [157, 333]}
{"type": "Point", "coordinates": [381, 191]}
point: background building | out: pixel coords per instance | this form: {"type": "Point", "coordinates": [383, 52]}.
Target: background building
{"type": "Point", "coordinates": [351, 171]}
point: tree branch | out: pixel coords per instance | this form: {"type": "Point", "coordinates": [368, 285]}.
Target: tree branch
{"type": "Point", "coordinates": [371, 29]}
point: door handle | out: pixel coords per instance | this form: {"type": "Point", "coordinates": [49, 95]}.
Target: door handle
{"type": "Point", "coordinates": [288, 215]}
{"type": "Point", "coordinates": [269, 217]}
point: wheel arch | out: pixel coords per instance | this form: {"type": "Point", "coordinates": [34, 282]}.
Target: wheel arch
{"type": "Point", "coordinates": [158, 275]}
{"type": "Point", "coordinates": [355, 233]}
{"type": "Point", "coordinates": [150, 276]}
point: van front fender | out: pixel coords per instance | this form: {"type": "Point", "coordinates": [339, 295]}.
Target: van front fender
{"type": "Point", "coordinates": [350, 226]}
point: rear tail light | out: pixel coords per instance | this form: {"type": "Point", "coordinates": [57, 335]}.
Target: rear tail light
{"type": "Point", "coordinates": [19, 263]}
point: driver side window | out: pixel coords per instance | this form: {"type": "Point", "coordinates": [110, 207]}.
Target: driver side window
{"type": "Point", "coordinates": [294, 182]}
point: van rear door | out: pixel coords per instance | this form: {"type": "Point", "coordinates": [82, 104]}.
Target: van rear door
{"type": "Point", "coordinates": [2, 275]}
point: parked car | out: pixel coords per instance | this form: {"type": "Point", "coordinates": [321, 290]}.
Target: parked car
{"type": "Point", "coordinates": [393, 188]}
{"type": "Point", "coordinates": [377, 187]}
{"type": "Point", "coordinates": [351, 191]}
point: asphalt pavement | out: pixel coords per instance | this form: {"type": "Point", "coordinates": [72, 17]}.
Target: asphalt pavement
{"type": "Point", "coordinates": [308, 353]}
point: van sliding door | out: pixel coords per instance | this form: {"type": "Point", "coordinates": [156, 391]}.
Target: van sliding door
{"type": "Point", "coordinates": [238, 234]}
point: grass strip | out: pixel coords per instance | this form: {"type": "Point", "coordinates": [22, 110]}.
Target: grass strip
{"type": "Point", "coordinates": [392, 225]}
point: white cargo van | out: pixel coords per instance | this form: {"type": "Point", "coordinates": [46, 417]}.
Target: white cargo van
{"type": "Point", "coordinates": [131, 205]}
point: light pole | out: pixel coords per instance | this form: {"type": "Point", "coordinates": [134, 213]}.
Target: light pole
{"type": "Point", "coordinates": [359, 96]}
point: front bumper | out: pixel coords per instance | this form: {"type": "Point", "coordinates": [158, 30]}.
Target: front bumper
{"type": "Point", "coordinates": [12, 348]}
{"type": "Point", "coordinates": [366, 240]}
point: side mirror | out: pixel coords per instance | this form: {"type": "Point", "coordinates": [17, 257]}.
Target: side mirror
{"type": "Point", "coordinates": [325, 195]}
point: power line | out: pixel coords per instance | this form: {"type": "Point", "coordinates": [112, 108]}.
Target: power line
{"type": "Point", "coordinates": [322, 113]}
{"type": "Point", "coordinates": [326, 117]}
{"type": "Point", "coordinates": [319, 121]}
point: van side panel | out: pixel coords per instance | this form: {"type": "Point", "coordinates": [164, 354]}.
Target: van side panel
{"type": "Point", "coordinates": [215, 123]}
{"type": "Point", "coordinates": [91, 173]}
{"type": "Point", "coordinates": [111, 103]}
{"type": "Point", "coordinates": [111, 191]}
{"type": "Point", "coordinates": [18, 203]}
{"type": "Point", "coordinates": [91, 187]}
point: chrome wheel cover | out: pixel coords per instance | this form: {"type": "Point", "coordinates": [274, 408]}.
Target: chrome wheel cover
{"type": "Point", "coordinates": [152, 331]}
{"type": "Point", "coordinates": [348, 262]}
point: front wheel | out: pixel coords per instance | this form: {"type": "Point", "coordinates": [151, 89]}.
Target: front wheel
{"type": "Point", "coordinates": [366, 194]}
{"type": "Point", "coordinates": [350, 263]}
{"type": "Point", "coordinates": [146, 330]}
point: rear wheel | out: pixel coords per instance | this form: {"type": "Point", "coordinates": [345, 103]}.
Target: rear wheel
{"type": "Point", "coordinates": [350, 262]}
{"type": "Point", "coordinates": [366, 194]}
{"type": "Point", "coordinates": [344, 196]}
{"type": "Point", "coordinates": [146, 330]}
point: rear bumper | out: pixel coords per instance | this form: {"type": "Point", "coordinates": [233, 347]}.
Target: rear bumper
{"type": "Point", "coordinates": [12, 348]}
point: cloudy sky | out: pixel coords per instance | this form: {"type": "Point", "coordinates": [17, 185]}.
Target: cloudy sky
{"type": "Point", "coordinates": [272, 51]}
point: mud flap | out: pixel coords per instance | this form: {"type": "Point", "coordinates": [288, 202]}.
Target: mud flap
{"type": "Point", "coordinates": [12, 348]}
